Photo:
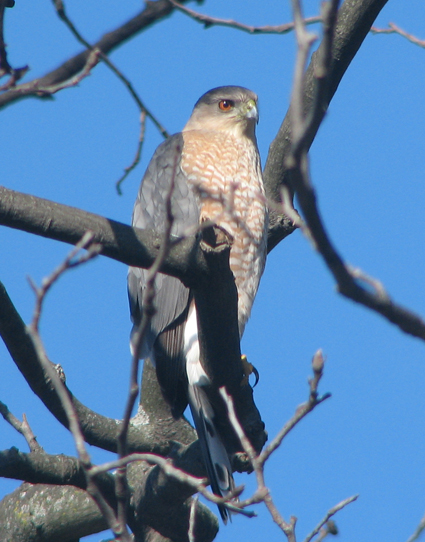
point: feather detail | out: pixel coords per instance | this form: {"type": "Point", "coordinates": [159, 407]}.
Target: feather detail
{"type": "Point", "coordinates": [214, 453]}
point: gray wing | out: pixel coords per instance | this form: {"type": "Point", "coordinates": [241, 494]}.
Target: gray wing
{"type": "Point", "coordinates": [165, 334]}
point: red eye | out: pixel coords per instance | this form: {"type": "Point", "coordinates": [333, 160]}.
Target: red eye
{"type": "Point", "coordinates": [226, 105]}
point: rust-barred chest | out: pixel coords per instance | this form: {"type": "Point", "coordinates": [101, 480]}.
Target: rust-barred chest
{"type": "Point", "coordinates": [225, 173]}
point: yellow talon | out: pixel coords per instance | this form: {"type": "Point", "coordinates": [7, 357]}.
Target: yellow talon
{"type": "Point", "coordinates": [248, 369]}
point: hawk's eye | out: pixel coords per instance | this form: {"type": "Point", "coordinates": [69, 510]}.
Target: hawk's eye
{"type": "Point", "coordinates": [226, 105]}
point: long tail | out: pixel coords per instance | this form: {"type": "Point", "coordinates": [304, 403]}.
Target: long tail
{"type": "Point", "coordinates": [214, 453]}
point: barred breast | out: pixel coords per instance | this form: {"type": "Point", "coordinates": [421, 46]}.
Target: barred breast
{"type": "Point", "coordinates": [225, 174]}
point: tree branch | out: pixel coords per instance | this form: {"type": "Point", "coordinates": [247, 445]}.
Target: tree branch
{"type": "Point", "coordinates": [395, 29]}
{"type": "Point", "coordinates": [22, 427]}
{"type": "Point", "coordinates": [218, 333]}
{"type": "Point", "coordinates": [351, 283]}
{"type": "Point", "coordinates": [209, 21]}
{"type": "Point", "coordinates": [329, 514]}
{"type": "Point", "coordinates": [150, 14]}
{"type": "Point", "coordinates": [5, 67]}
{"type": "Point", "coordinates": [43, 468]}
{"type": "Point", "coordinates": [28, 514]}
{"type": "Point", "coordinates": [98, 430]}
{"type": "Point", "coordinates": [60, 8]}
{"type": "Point", "coordinates": [258, 460]}
{"type": "Point", "coordinates": [418, 531]}
{"type": "Point", "coordinates": [120, 242]}
{"type": "Point", "coordinates": [354, 22]}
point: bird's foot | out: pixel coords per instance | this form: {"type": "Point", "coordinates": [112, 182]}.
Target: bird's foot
{"type": "Point", "coordinates": [248, 369]}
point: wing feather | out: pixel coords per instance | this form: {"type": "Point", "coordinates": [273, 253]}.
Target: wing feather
{"type": "Point", "coordinates": [172, 298]}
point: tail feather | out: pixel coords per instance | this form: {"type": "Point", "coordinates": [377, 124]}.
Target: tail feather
{"type": "Point", "coordinates": [215, 455]}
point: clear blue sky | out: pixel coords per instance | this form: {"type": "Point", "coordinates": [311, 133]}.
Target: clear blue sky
{"type": "Point", "coordinates": [367, 164]}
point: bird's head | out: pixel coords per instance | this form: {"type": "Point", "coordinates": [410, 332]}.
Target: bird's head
{"type": "Point", "coordinates": [228, 109]}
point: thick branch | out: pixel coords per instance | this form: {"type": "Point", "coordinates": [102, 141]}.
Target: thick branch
{"type": "Point", "coordinates": [354, 22]}
{"type": "Point", "coordinates": [216, 304]}
{"type": "Point", "coordinates": [43, 468]}
{"type": "Point", "coordinates": [98, 430]}
{"type": "Point", "coordinates": [125, 244]}
{"type": "Point", "coordinates": [154, 494]}
{"type": "Point", "coordinates": [28, 514]}
{"type": "Point", "coordinates": [120, 242]}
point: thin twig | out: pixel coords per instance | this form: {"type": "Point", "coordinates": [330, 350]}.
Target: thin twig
{"type": "Point", "coordinates": [395, 29]}
{"type": "Point", "coordinates": [209, 21]}
{"type": "Point", "coordinates": [262, 494]}
{"type": "Point", "coordinates": [144, 111]}
{"type": "Point", "coordinates": [302, 410]}
{"type": "Point", "coordinates": [75, 429]}
{"type": "Point", "coordinates": [69, 263]}
{"type": "Point", "coordinates": [377, 285]}
{"type": "Point", "coordinates": [60, 8]}
{"type": "Point", "coordinates": [418, 531]}
{"type": "Point", "coordinates": [347, 281]}
{"type": "Point", "coordinates": [198, 484]}
{"type": "Point", "coordinates": [150, 13]}
{"type": "Point", "coordinates": [136, 160]}
{"type": "Point", "coordinates": [246, 445]}
{"type": "Point", "coordinates": [5, 67]}
{"type": "Point", "coordinates": [61, 391]}
{"type": "Point", "coordinates": [22, 427]}
{"type": "Point", "coordinates": [192, 517]}
{"type": "Point", "coordinates": [330, 513]}
{"type": "Point", "coordinates": [138, 337]}
{"type": "Point", "coordinates": [92, 61]}
{"type": "Point", "coordinates": [305, 41]}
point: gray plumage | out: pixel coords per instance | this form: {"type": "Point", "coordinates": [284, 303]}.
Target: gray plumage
{"type": "Point", "coordinates": [172, 298]}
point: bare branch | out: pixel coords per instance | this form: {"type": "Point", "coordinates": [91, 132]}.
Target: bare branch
{"type": "Point", "coordinates": [246, 445]}
{"type": "Point", "coordinates": [60, 8]}
{"type": "Point", "coordinates": [418, 531]}
{"type": "Point", "coordinates": [69, 262]}
{"type": "Point", "coordinates": [151, 13]}
{"type": "Point", "coordinates": [262, 494]}
{"type": "Point", "coordinates": [98, 430]}
{"type": "Point", "coordinates": [128, 245]}
{"type": "Point", "coordinates": [28, 514]}
{"type": "Point", "coordinates": [119, 528]}
{"type": "Point", "coordinates": [74, 426]}
{"type": "Point", "coordinates": [92, 61]}
{"type": "Point", "coordinates": [198, 484]}
{"type": "Point", "coordinates": [5, 67]}
{"type": "Point", "coordinates": [136, 160]}
{"type": "Point", "coordinates": [297, 164]}
{"type": "Point", "coordinates": [22, 427]}
{"type": "Point", "coordinates": [44, 468]}
{"type": "Point", "coordinates": [209, 21]}
{"type": "Point", "coordinates": [191, 532]}
{"type": "Point", "coordinates": [353, 25]}
{"type": "Point", "coordinates": [302, 411]}
{"type": "Point", "coordinates": [394, 29]}
{"type": "Point", "coordinates": [330, 513]}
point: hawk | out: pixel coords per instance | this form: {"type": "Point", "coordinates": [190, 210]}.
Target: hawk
{"type": "Point", "coordinates": [215, 165]}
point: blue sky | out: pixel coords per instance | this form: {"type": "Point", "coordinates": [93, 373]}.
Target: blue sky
{"type": "Point", "coordinates": [367, 165]}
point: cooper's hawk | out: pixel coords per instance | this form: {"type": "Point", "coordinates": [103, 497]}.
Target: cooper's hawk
{"type": "Point", "coordinates": [217, 176]}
